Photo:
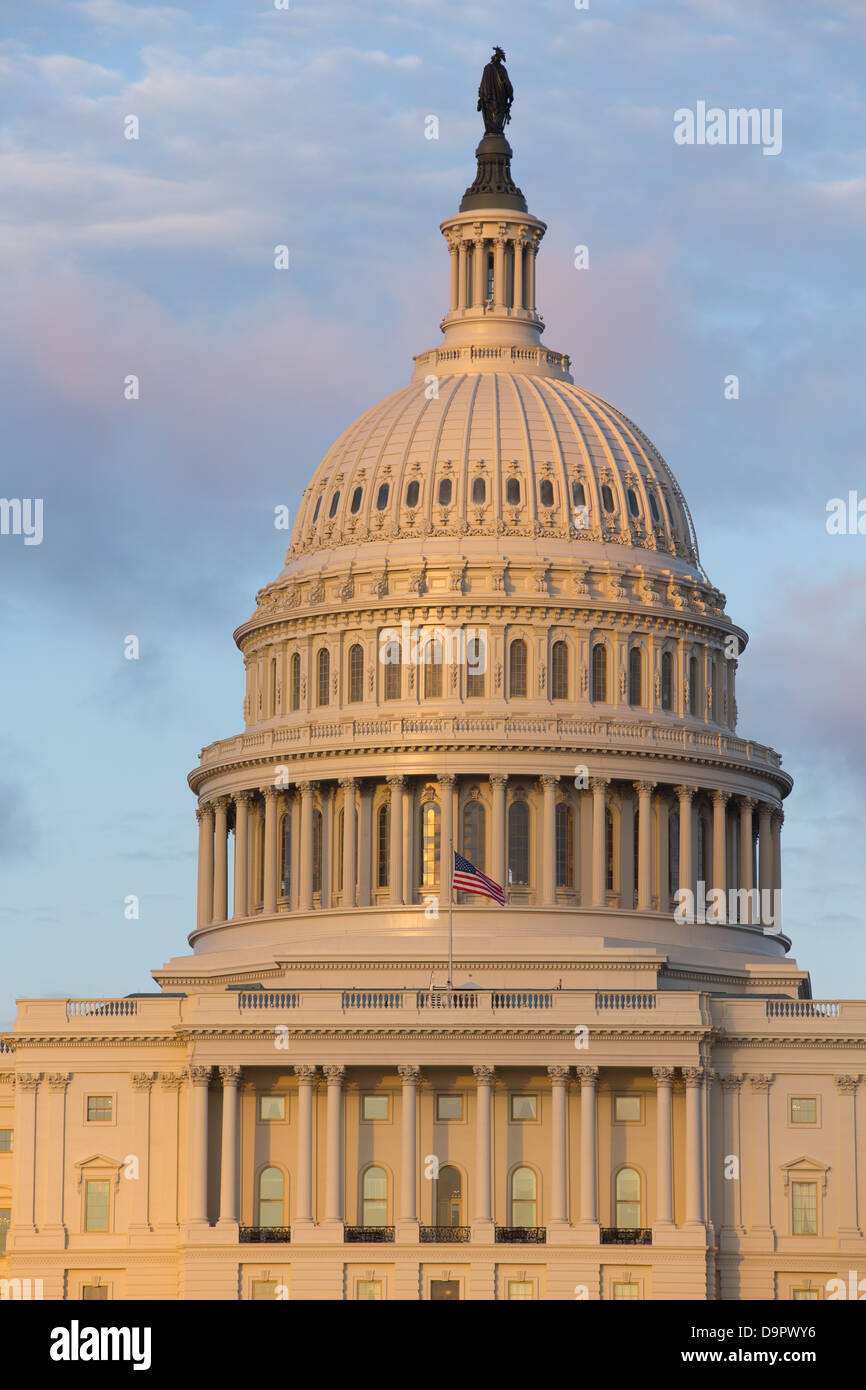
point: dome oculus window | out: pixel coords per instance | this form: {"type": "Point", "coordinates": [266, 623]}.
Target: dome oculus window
{"type": "Point", "coordinates": [412, 494]}
{"type": "Point", "coordinates": [633, 504]}
{"type": "Point", "coordinates": [545, 492]}
{"type": "Point", "coordinates": [479, 492]}
{"type": "Point", "coordinates": [445, 490]}
{"type": "Point", "coordinates": [356, 500]}
{"type": "Point", "coordinates": [512, 492]}
{"type": "Point", "coordinates": [382, 497]}
{"type": "Point", "coordinates": [607, 498]}
{"type": "Point", "coordinates": [335, 502]}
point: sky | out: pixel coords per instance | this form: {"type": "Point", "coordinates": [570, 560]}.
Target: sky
{"type": "Point", "coordinates": [154, 257]}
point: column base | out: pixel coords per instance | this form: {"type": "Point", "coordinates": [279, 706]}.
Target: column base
{"type": "Point", "coordinates": [331, 1231]}
{"type": "Point", "coordinates": [731, 1237]}
{"type": "Point", "coordinates": [200, 1233]}
{"type": "Point", "coordinates": [560, 1233]}
{"type": "Point", "coordinates": [229, 1229]}
{"type": "Point", "coordinates": [759, 1238]}
{"type": "Point", "coordinates": [305, 1233]}
{"type": "Point", "coordinates": [56, 1233]}
{"type": "Point", "coordinates": [850, 1238]}
{"type": "Point", "coordinates": [482, 1232]}
{"type": "Point", "coordinates": [587, 1232]}
{"type": "Point", "coordinates": [407, 1232]}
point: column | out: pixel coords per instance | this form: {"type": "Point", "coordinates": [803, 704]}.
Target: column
{"type": "Point", "coordinates": [761, 1222]}
{"type": "Point", "coordinates": [548, 841]}
{"type": "Point", "coordinates": [588, 1153]}
{"type": "Point", "coordinates": [664, 1148]}
{"type": "Point", "coordinates": [776, 826]}
{"type": "Point", "coordinates": [407, 1221]}
{"type": "Point", "coordinates": [306, 1075]}
{"type": "Point", "coordinates": [230, 1076]}
{"type": "Point", "coordinates": [746, 877]}
{"type": "Point", "coordinates": [686, 874]}
{"type": "Point", "coordinates": [348, 785]}
{"type": "Point", "coordinates": [24, 1155]}
{"type": "Point", "coordinates": [455, 276]}
{"type": "Point", "coordinates": [720, 853]}
{"type": "Point", "coordinates": [499, 271]}
{"type": "Point", "coordinates": [599, 786]}
{"type": "Point", "coordinates": [51, 1197]}
{"type": "Point", "coordinates": [242, 806]}
{"type": "Point", "coordinates": [269, 904]}
{"type": "Point", "coordinates": [644, 845]}
{"type": "Point", "coordinates": [482, 1225]}
{"type": "Point", "coordinates": [518, 273]}
{"type": "Point", "coordinates": [305, 901]}
{"type": "Point", "coordinates": [220, 878]}
{"type": "Point", "coordinates": [199, 1078]}
{"type": "Point", "coordinates": [446, 864]}
{"type": "Point", "coordinates": [497, 860]}
{"type": "Point", "coordinates": [765, 863]}
{"type": "Point", "coordinates": [462, 273]}
{"type": "Point", "coordinates": [479, 274]}
{"type": "Point", "coordinates": [142, 1085]}
{"type": "Point", "coordinates": [664, 813]}
{"type": "Point", "coordinates": [334, 1157]}
{"type": "Point", "coordinates": [849, 1229]}
{"type": "Point", "coordinates": [694, 1079]}
{"type": "Point", "coordinates": [732, 1225]}
{"type": "Point", "coordinates": [531, 250]}
{"type": "Point", "coordinates": [204, 816]}
{"type": "Point", "coordinates": [558, 1214]}
{"type": "Point", "coordinates": [365, 846]}
{"type": "Point", "coordinates": [166, 1148]}
{"type": "Point", "coordinates": [395, 872]}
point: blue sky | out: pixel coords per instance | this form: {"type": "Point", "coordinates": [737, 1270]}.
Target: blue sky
{"type": "Point", "coordinates": [306, 127]}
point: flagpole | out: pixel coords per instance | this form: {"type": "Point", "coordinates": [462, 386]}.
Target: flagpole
{"type": "Point", "coordinates": [450, 907]}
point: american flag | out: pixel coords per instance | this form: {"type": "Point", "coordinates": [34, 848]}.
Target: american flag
{"type": "Point", "coordinates": [471, 880]}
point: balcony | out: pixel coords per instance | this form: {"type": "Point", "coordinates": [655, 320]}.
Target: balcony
{"type": "Point", "coordinates": [444, 1235]}
{"type": "Point", "coordinates": [368, 1235]}
{"type": "Point", "coordinates": [256, 1235]}
{"type": "Point", "coordinates": [621, 1235]}
{"type": "Point", "coordinates": [521, 1235]}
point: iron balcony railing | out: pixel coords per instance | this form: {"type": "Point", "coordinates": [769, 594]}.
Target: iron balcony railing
{"type": "Point", "coordinates": [521, 1235]}
{"type": "Point", "coordinates": [621, 1235]}
{"type": "Point", "coordinates": [255, 1235]}
{"type": "Point", "coordinates": [444, 1235]}
{"type": "Point", "coordinates": [369, 1235]}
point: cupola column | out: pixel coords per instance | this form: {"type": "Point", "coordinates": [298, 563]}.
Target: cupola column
{"type": "Point", "coordinates": [334, 1160]}
{"type": "Point", "coordinates": [519, 244]}
{"type": "Point", "coordinates": [348, 785]}
{"type": "Point", "coordinates": [455, 274]}
{"type": "Point", "coordinates": [483, 1152]}
{"type": "Point", "coordinates": [408, 1205]}
{"type": "Point", "coordinates": [479, 275]}
{"type": "Point", "coordinates": [242, 805]}
{"type": "Point", "coordinates": [499, 269]}
{"type": "Point", "coordinates": [664, 1146]}
{"type": "Point", "coordinates": [720, 845]}
{"type": "Point", "coordinates": [446, 839]}
{"type": "Point", "coordinates": [305, 903]}
{"type": "Point", "coordinates": [462, 272]}
{"type": "Point", "coordinates": [747, 882]}
{"type": "Point", "coordinates": [694, 1079]}
{"type": "Point", "coordinates": [776, 825]}
{"type": "Point", "coordinates": [644, 847]}
{"type": "Point", "coordinates": [765, 857]}
{"type": "Point", "coordinates": [599, 786]}
{"type": "Point", "coordinates": [269, 900]}
{"type": "Point", "coordinates": [531, 252]}
{"type": "Point", "coordinates": [220, 886]}
{"type": "Point", "coordinates": [395, 875]}
{"type": "Point", "coordinates": [230, 1076]}
{"type": "Point", "coordinates": [588, 1148]}
{"type": "Point", "coordinates": [306, 1075]}
{"type": "Point", "coordinates": [686, 874]}
{"type": "Point", "coordinates": [205, 818]}
{"type": "Point", "coordinates": [497, 865]}
{"type": "Point", "coordinates": [548, 841]}
{"type": "Point", "coordinates": [559, 1156]}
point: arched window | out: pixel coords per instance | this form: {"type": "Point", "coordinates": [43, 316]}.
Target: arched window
{"type": "Point", "coordinates": [518, 843]}
{"type": "Point", "coordinates": [374, 1197]}
{"type": "Point", "coordinates": [627, 1199]}
{"type": "Point", "coordinates": [382, 497]}
{"type": "Point", "coordinates": [317, 851]}
{"type": "Point", "coordinates": [433, 668]}
{"type": "Point", "coordinates": [524, 1198]}
{"type": "Point", "coordinates": [693, 685]}
{"type": "Point", "coordinates": [383, 846]}
{"type": "Point", "coordinates": [667, 680]}
{"type": "Point", "coordinates": [446, 488]}
{"type": "Point", "coordinates": [609, 851]}
{"type": "Point", "coordinates": [323, 676]}
{"type": "Point", "coordinates": [476, 666]}
{"type": "Point", "coordinates": [512, 492]}
{"type": "Point", "coordinates": [598, 673]}
{"type": "Point", "coordinates": [479, 492]}
{"type": "Point", "coordinates": [633, 504]}
{"type": "Point", "coordinates": [286, 856]}
{"type": "Point", "coordinates": [393, 680]}
{"type": "Point", "coordinates": [429, 874]}
{"type": "Point", "coordinates": [296, 681]}
{"type": "Point", "coordinates": [635, 676]}
{"type": "Point", "coordinates": [474, 833]}
{"type": "Point", "coordinates": [412, 493]}
{"type": "Point", "coordinates": [673, 854]}
{"type": "Point", "coordinates": [356, 501]}
{"type": "Point", "coordinates": [517, 669]}
{"type": "Point", "coordinates": [272, 1190]}
{"type": "Point", "coordinates": [607, 498]}
{"type": "Point", "coordinates": [449, 1197]}
{"type": "Point", "coordinates": [564, 845]}
{"type": "Point", "coordinates": [578, 493]}
{"type": "Point", "coordinates": [356, 672]}
{"type": "Point", "coordinates": [273, 690]}
{"type": "Point", "coordinates": [559, 671]}
{"type": "Point", "coordinates": [335, 502]}
{"type": "Point", "coordinates": [545, 492]}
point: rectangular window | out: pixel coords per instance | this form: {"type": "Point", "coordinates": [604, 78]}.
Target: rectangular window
{"type": "Point", "coordinates": [449, 1107]}
{"type": "Point", "coordinates": [5, 1219]}
{"type": "Point", "coordinates": [804, 1197]}
{"type": "Point", "coordinates": [627, 1109]}
{"type": "Point", "coordinates": [376, 1107]}
{"type": "Point", "coordinates": [264, 1290]}
{"type": "Point", "coordinates": [520, 1289]}
{"type": "Point", "coordinates": [99, 1108]}
{"type": "Point", "coordinates": [806, 1296]}
{"type": "Point", "coordinates": [625, 1291]}
{"type": "Point", "coordinates": [94, 1293]}
{"type": "Point", "coordinates": [272, 1107]}
{"type": "Point", "coordinates": [5, 1141]}
{"type": "Point", "coordinates": [96, 1205]}
{"type": "Point", "coordinates": [804, 1110]}
{"type": "Point", "coordinates": [442, 1289]}
{"type": "Point", "coordinates": [369, 1288]}
{"type": "Point", "coordinates": [524, 1107]}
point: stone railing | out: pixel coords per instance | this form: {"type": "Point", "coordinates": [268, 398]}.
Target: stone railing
{"type": "Point", "coordinates": [101, 1008]}
{"type": "Point", "coordinates": [268, 999]}
{"type": "Point", "coordinates": [803, 1008]}
{"type": "Point", "coordinates": [625, 999]}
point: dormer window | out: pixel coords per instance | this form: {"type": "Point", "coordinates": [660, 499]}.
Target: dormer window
{"type": "Point", "coordinates": [445, 489]}
{"type": "Point", "coordinates": [545, 492]}
{"type": "Point", "coordinates": [633, 504]}
{"type": "Point", "coordinates": [412, 494]}
{"type": "Point", "coordinates": [479, 492]}
{"type": "Point", "coordinates": [356, 501]}
{"type": "Point", "coordinates": [578, 493]}
{"type": "Point", "coordinates": [316, 512]}
{"type": "Point", "coordinates": [607, 498]}
{"type": "Point", "coordinates": [654, 510]}
{"type": "Point", "coordinates": [335, 502]}
{"type": "Point", "coordinates": [382, 497]}
{"type": "Point", "coordinates": [512, 492]}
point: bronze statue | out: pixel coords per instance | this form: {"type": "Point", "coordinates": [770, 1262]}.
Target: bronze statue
{"type": "Point", "coordinates": [495, 94]}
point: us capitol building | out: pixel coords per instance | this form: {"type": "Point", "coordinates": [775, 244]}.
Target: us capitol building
{"type": "Point", "coordinates": [492, 631]}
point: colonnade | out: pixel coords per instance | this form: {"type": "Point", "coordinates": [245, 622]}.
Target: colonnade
{"type": "Point", "coordinates": [514, 254]}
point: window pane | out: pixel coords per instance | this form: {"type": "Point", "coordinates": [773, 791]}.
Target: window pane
{"type": "Point", "coordinates": [449, 1108]}
{"type": "Point", "coordinates": [517, 669]}
{"type": "Point", "coordinates": [804, 1110]}
{"type": "Point", "coordinates": [5, 1220]}
{"type": "Point", "coordinates": [518, 843]}
{"type": "Point", "coordinates": [627, 1108]}
{"type": "Point", "coordinates": [806, 1296]}
{"type": "Point", "coordinates": [272, 1107]}
{"type": "Point", "coordinates": [564, 846]}
{"type": "Point", "coordinates": [412, 494]}
{"type": "Point", "coordinates": [94, 1293]}
{"type": "Point", "coordinates": [559, 672]}
{"type": "Point", "coordinates": [626, 1291]}
{"type": "Point", "coordinates": [369, 1288]}
{"type": "Point", "coordinates": [264, 1290]}
{"type": "Point", "coordinates": [375, 1107]}
{"type": "Point", "coordinates": [524, 1108]}
{"type": "Point", "coordinates": [805, 1208]}
{"type": "Point", "coordinates": [628, 1185]}
{"type": "Point", "coordinates": [429, 846]}
{"type": "Point", "coordinates": [520, 1289]}
{"type": "Point", "coordinates": [99, 1107]}
{"type": "Point", "coordinates": [383, 846]}
{"type": "Point", "coordinates": [599, 673]}
{"type": "Point", "coordinates": [96, 1206]}
{"type": "Point", "coordinates": [5, 1141]}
